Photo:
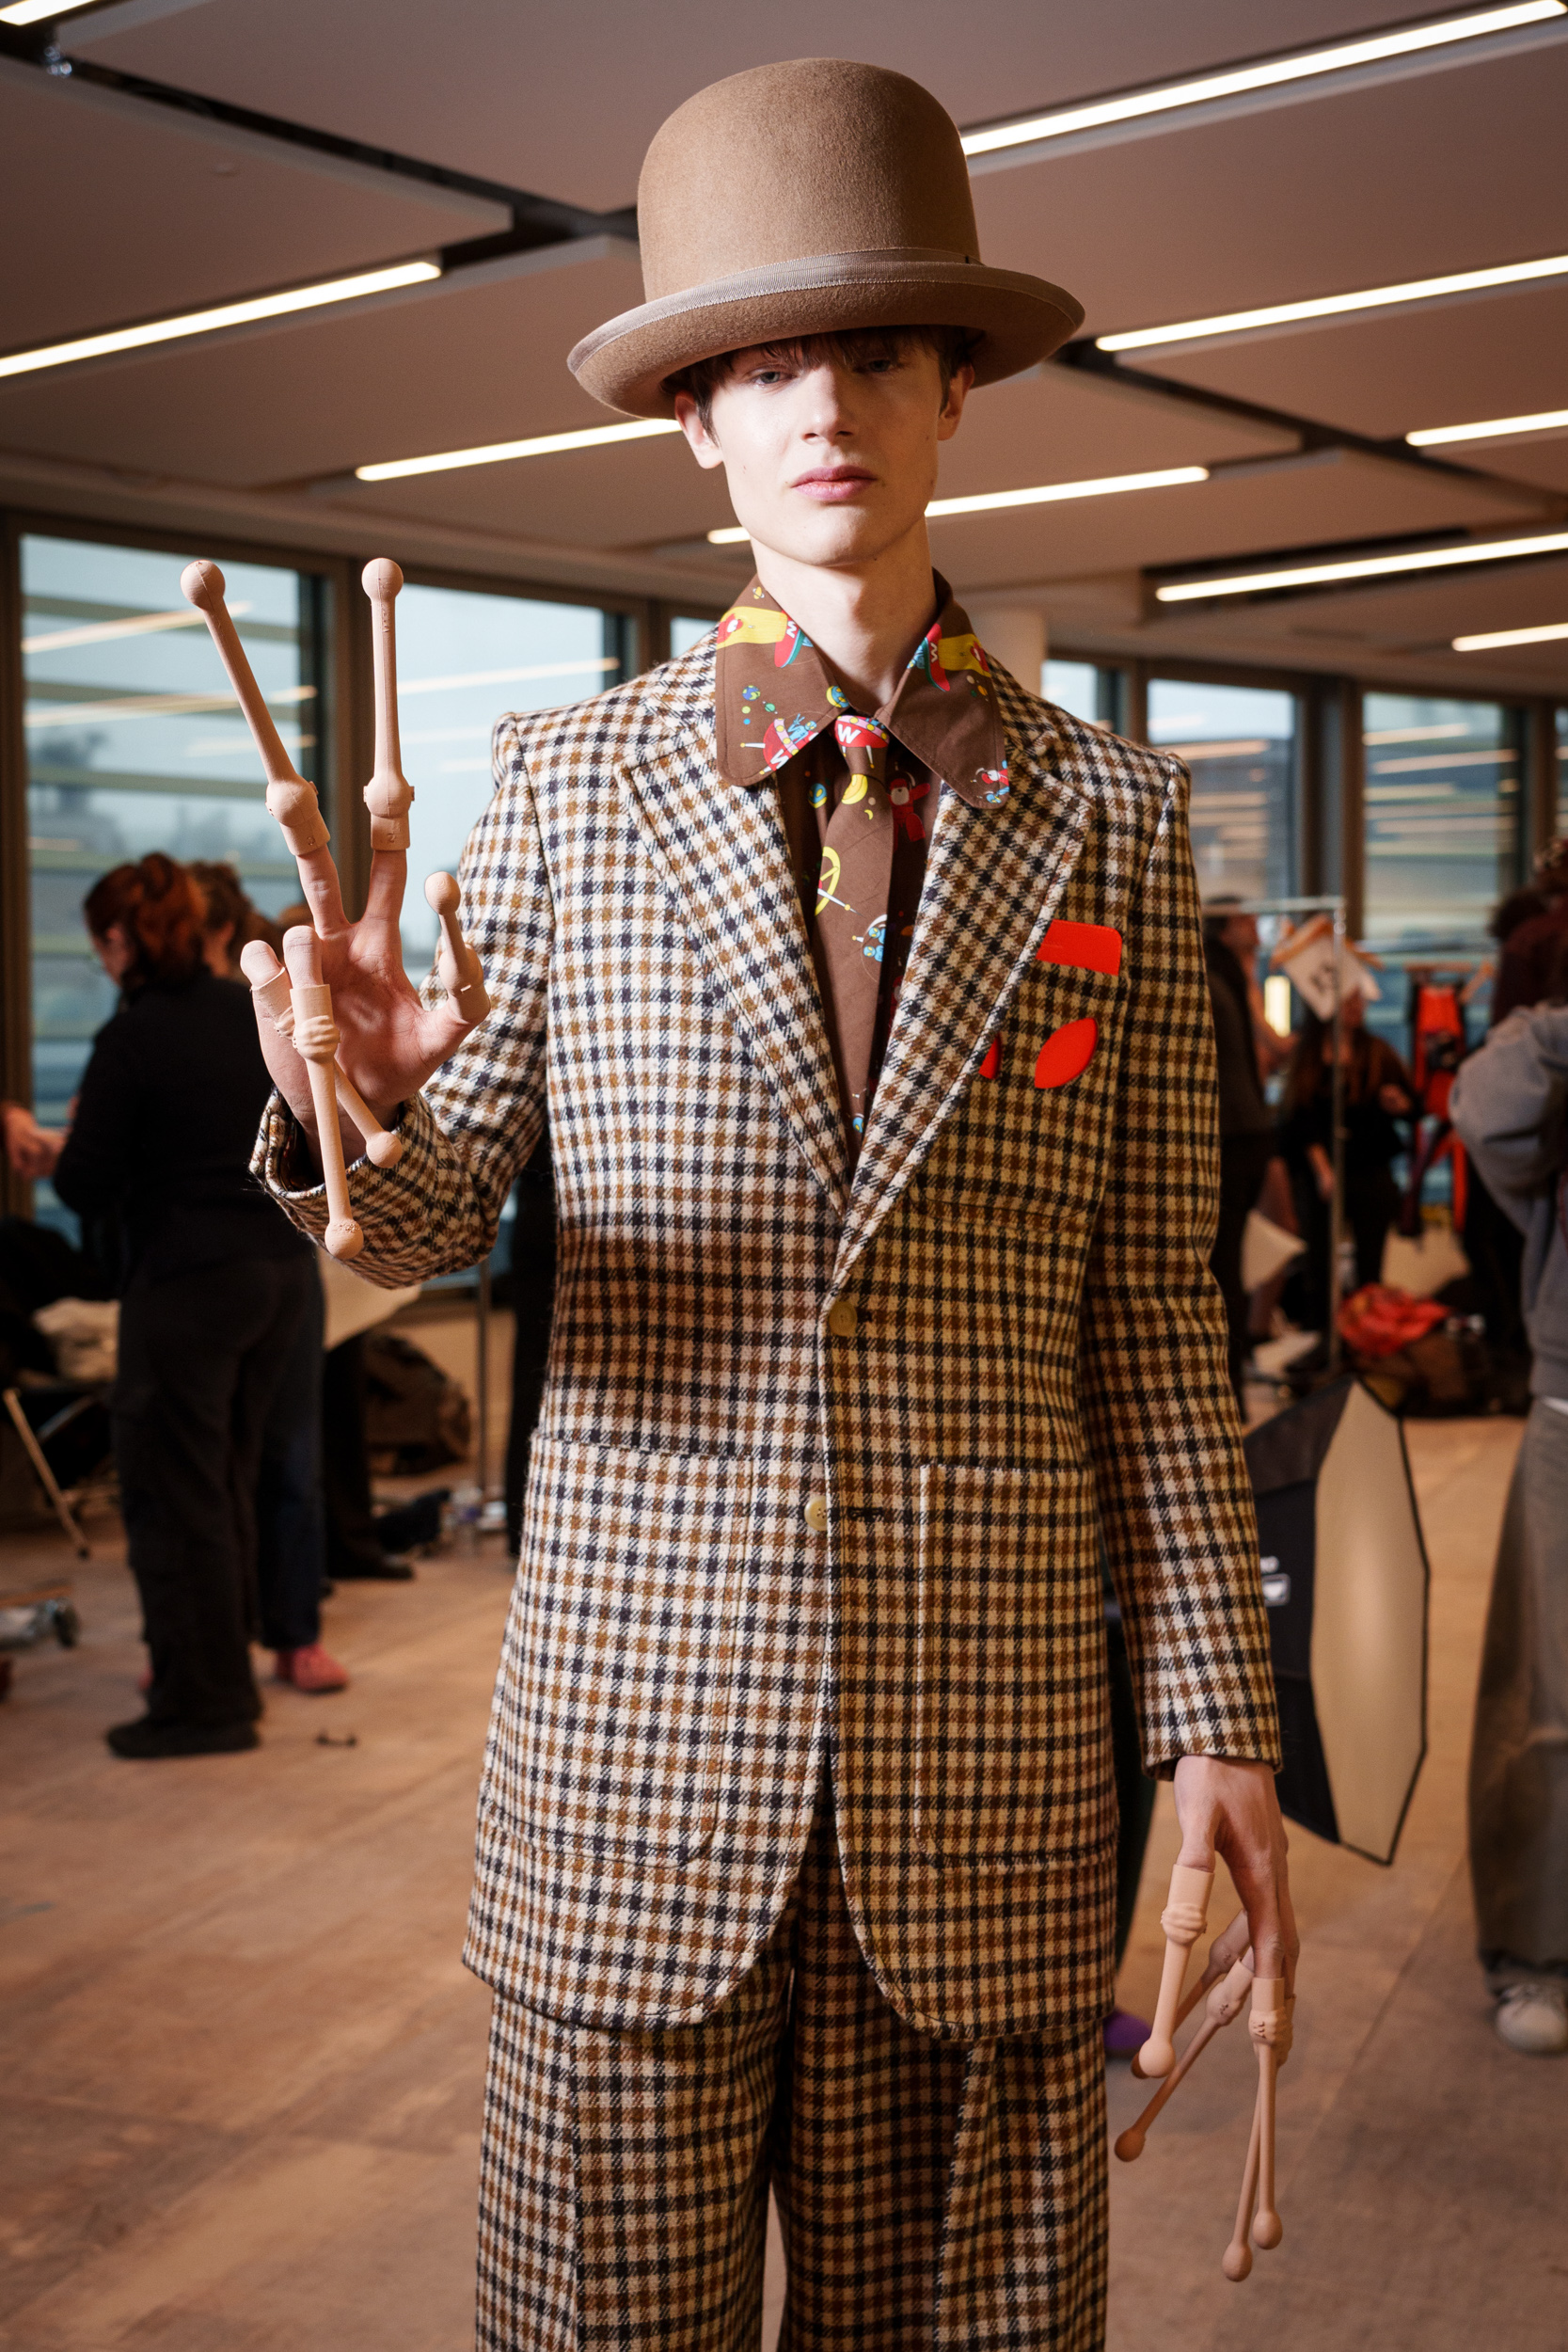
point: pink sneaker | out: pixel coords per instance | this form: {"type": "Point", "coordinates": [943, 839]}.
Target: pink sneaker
{"type": "Point", "coordinates": [311, 1668]}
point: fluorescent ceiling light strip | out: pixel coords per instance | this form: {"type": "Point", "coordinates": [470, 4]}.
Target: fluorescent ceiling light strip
{"type": "Point", "coordinates": [1361, 567]}
{"type": "Point", "coordinates": [228, 314]}
{"type": "Point", "coordinates": [1168, 97]}
{"type": "Point", "coordinates": [1511, 637]}
{"type": "Point", "coordinates": [1338, 306]}
{"type": "Point", "coordinates": [1493, 429]}
{"type": "Point", "coordinates": [501, 452]}
{"type": "Point", "coordinates": [147, 706]}
{"type": "Point", "coordinates": [1047, 494]}
{"type": "Point", "coordinates": [1106, 486]}
{"type": "Point", "coordinates": [36, 11]}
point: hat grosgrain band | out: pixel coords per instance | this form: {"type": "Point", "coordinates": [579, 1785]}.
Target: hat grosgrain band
{"type": "Point", "coordinates": [763, 169]}
{"type": "Point", "coordinates": [1023, 320]}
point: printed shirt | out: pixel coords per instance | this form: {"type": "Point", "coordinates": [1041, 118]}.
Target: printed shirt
{"type": "Point", "coordinates": [858, 796]}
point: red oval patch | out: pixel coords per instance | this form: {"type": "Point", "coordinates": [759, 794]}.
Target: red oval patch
{"type": "Point", "coordinates": [1067, 1054]}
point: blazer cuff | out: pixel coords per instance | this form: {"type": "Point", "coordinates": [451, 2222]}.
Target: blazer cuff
{"type": "Point", "coordinates": [390, 1203]}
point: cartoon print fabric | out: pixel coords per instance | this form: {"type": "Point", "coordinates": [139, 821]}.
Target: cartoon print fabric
{"type": "Point", "coordinates": [858, 796]}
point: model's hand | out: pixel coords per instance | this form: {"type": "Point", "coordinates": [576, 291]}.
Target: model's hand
{"type": "Point", "coordinates": [1394, 1099]}
{"type": "Point", "coordinates": [1322, 1170]}
{"type": "Point", "coordinates": [1231, 1810]}
{"type": "Point", "coordinates": [390, 1043]}
{"type": "Point", "coordinates": [32, 1151]}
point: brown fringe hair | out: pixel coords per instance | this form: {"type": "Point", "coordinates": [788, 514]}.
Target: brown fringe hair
{"type": "Point", "coordinates": [949, 345]}
{"type": "Point", "coordinates": [161, 911]}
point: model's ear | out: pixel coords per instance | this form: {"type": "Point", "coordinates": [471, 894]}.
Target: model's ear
{"type": "Point", "coordinates": [953, 407]}
{"type": "Point", "coordinates": [703, 446]}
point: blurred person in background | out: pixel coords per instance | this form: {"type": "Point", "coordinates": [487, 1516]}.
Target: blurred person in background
{"type": "Point", "coordinates": [218, 1283]}
{"type": "Point", "coordinates": [1510, 1104]}
{"type": "Point", "coordinates": [1378, 1093]}
{"type": "Point", "coordinates": [1247, 1138]}
{"type": "Point", "coordinates": [1531, 946]}
{"type": "Point", "coordinates": [290, 1528]}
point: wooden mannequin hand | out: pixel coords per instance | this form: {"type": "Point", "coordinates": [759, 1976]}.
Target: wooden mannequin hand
{"type": "Point", "coordinates": [390, 1043]}
{"type": "Point", "coordinates": [1231, 1810]}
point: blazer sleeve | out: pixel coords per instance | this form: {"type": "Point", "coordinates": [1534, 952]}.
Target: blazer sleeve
{"type": "Point", "coordinates": [1174, 1497]}
{"type": "Point", "coordinates": [475, 1124]}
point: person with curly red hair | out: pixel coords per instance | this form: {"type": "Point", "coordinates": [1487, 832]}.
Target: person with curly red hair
{"type": "Point", "coordinates": [217, 1286]}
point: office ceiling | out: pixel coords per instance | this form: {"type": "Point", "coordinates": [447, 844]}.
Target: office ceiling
{"type": "Point", "coordinates": [133, 206]}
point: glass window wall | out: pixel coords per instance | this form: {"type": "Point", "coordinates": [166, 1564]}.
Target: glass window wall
{"type": "Point", "coordinates": [1087, 690]}
{"type": "Point", "coordinates": [686, 630]}
{"type": "Point", "coordinates": [1442, 817]}
{"type": "Point", "coordinates": [1239, 742]}
{"type": "Point", "coordinates": [135, 742]}
{"type": "Point", "coordinates": [463, 658]}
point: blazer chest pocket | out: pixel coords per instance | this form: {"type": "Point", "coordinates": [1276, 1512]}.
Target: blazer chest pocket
{"type": "Point", "coordinates": [622, 1664]}
{"type": "Point", "coordinates": [1011, 1723]}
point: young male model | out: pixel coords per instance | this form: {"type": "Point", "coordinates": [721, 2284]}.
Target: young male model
{"type": "Point", "coordinates": [867, 995]}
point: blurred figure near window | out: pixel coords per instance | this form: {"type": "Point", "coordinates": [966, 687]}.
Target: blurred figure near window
{"type": "Point", "coordinates": [218, 1288]}
{"type": "Point", "coordinates": [1535, 942]}
{"type": "Point", "coordinates": [1247, 1139]}
{"type": "Point", "coordinates": [1377, 1095]}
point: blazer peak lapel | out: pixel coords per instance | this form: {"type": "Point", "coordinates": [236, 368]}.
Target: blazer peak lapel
{"type": "Point", "coordinates": [721, 851]}
{"type": "Point", "coordinates": [993, 881]}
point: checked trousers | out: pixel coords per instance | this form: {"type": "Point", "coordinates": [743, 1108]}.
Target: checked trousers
{"type": "Point", "coordinates": [934, 2195]}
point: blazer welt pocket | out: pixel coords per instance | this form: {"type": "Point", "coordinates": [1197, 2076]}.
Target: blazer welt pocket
{"type": "Point", "coordinates": [630, 1585]}
{"type": "Point", "coordinates": [1010, 1696]}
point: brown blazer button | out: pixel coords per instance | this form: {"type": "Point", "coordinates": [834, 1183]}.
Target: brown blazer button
{"type": "Point", "coordinates": [816, 1514]}
{"type": "Point", "coordinates": [843, 1321]}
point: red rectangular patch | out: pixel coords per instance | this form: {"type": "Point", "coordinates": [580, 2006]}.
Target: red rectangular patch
{"type": "Point", "coordinates": [1092, 946]}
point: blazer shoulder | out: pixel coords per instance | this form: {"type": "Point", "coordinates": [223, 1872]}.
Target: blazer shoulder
{"type": "Point", "coordinates": [623, 724]}
{"type": "Point", "coordinates": [1102, 764]}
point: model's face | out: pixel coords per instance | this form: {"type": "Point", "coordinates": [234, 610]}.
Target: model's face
{"type": "Point", "coordinates": [828, 464]}
{"type": "Point", "coordinates": [1240, 936]}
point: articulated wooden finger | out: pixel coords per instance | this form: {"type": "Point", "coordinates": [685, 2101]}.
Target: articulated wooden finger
{"type": "Point", "coordinates": [388, 795]}
{"type": "Point", "coordinates": [1183, 1921]}
{"type": "Point", "coordinates": [1215, 1969]}
{"type": "Point", "coordinates": [382, 1148]}
{"type": "Point", "coordinates": [315, 1040]}
{"type": "Point", "coordinates": [1237, 2254]}
{"type": "Point", "coordinates": [289, 799]}
{"type": "Point", "coordinates": [1225, 2002]}
{"type": "Point", "coordinates": [269, 985]}
{"type": "Point", "coordinates": [1269, 2025]}
{"type": "Point", "coordinates": [461, 974]}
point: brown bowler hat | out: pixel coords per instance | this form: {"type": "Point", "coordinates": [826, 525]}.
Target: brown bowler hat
{"type": "Point", "coordinates": [802, 199]}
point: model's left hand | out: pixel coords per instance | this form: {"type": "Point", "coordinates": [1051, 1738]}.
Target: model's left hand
{"type": "Point", "coordinates": [1231, 1810]}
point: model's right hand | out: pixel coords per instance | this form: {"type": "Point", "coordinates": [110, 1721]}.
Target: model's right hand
{"type": "Point", "coordinates": [389, 1043]}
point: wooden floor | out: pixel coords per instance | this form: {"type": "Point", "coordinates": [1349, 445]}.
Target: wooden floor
{"type": "Point", "coordinates": [241, 2064]}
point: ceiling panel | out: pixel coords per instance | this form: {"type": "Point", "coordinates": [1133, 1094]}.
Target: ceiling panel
{"type": "Point", "coordinates": [1450, 171]}
{"type": "Point", "coordinates": [117, 212]}
{"type": "Point", "coordinates": [565, 100]}
{"type": "Point", "coordinates": [451, 366]}
{"type": "Point", "coordinates": [1405, 623]}
{"type": "Point", "coordinates": [1499, 355]}
{"type": "Point", "coordinates": [1319, 500]}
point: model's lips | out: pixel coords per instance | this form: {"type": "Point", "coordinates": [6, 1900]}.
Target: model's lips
{"type": "Point", "coordinates": [831, 485]}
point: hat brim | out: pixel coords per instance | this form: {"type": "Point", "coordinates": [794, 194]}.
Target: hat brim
{"type": "Point", "coordinates": [1020, 320]}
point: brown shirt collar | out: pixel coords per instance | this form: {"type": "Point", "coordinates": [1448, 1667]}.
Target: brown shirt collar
{"type": "Point", "coordinates": [775, 692]}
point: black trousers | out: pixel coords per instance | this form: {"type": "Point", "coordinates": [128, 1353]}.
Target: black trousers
{"type": "Point", "coordinates": [353, 1546]}
{"type": "Point", "coordinates": [1244, 1160]}
{"type": "Point", "coordinates": [290, 1527]}
{"type": "Point", "coordinates": [201, 1356]}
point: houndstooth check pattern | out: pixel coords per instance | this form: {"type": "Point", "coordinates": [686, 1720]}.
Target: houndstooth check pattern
{"type": "Point", "coordinates": [1038, 1350]}
{"type": "Point", "coordinates": [929, 2194]}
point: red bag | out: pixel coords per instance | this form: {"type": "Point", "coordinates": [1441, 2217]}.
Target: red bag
{"type": "Point", "coordinates": [1377, 1320]}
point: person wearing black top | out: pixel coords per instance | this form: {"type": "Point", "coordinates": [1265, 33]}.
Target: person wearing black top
{"type": "Point", "coordinates": [1377, 1095]}
{"type": "Point", "coordinates": [1248, 1140]}
{"type": "Point", "coordinates": [218, 1283]}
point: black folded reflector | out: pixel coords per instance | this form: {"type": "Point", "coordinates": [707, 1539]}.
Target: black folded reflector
{"type": "Point", "coordinates": [1345, 1581]}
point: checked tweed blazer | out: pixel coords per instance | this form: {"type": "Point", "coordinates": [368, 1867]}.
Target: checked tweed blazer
{"type": "Point", "coordinates": [823, 1464]}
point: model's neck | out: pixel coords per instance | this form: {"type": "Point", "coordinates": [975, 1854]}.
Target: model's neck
{"type": "Point", "coordinates": [866, 621]}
